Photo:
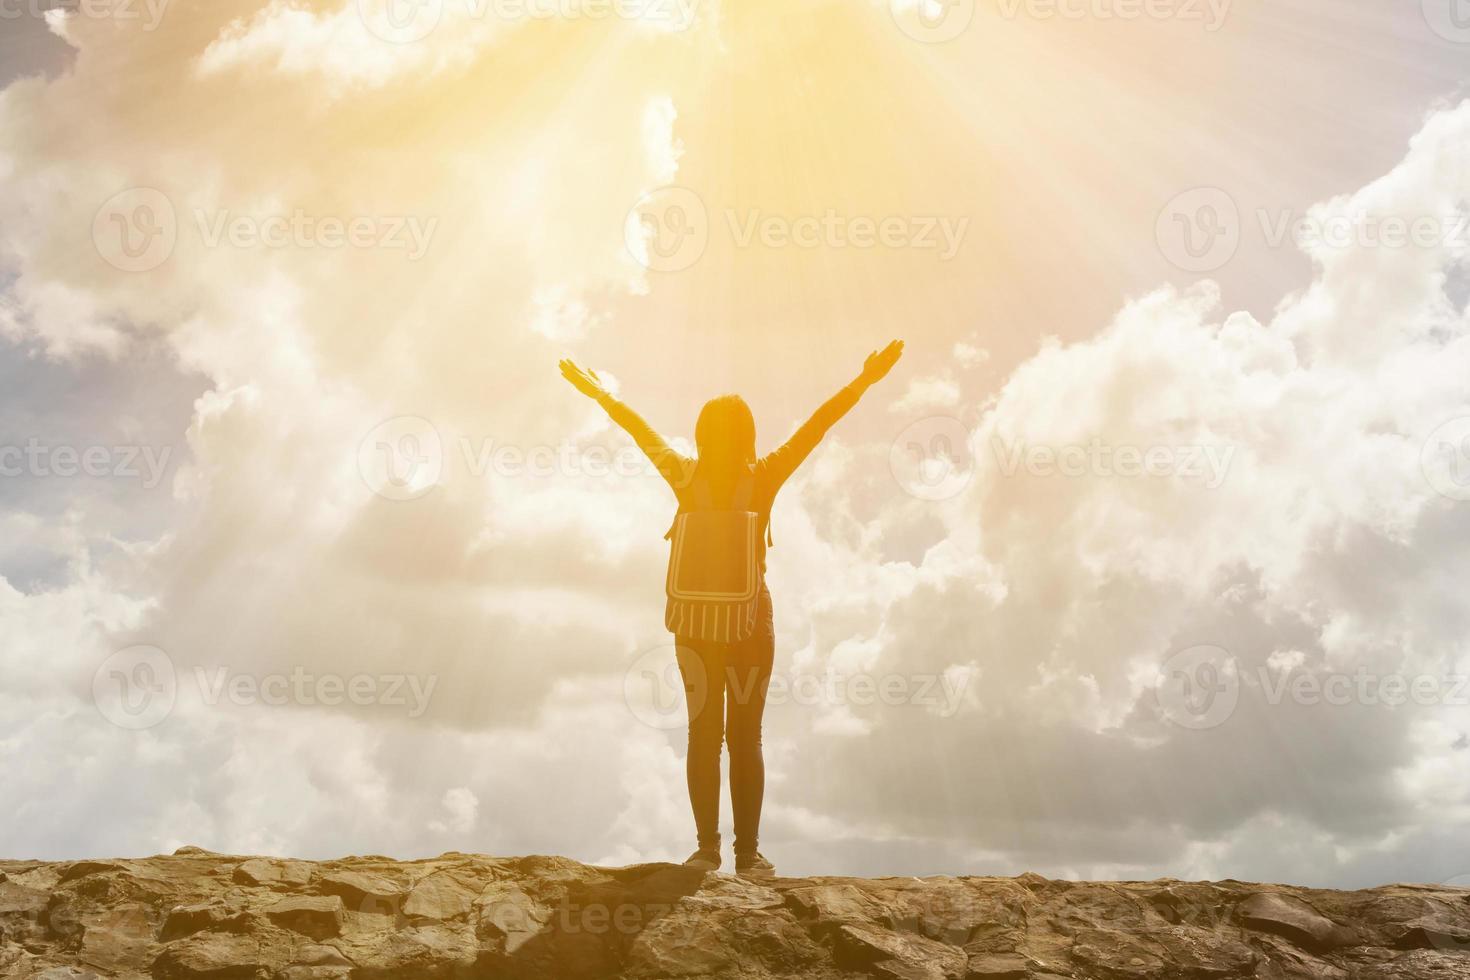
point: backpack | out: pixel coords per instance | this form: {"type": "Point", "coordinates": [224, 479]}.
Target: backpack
{"type": "Point", "coordinates": [714, 580]}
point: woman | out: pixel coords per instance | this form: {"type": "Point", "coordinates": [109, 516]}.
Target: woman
{"type": "Point", "coordinates": [733, 676]}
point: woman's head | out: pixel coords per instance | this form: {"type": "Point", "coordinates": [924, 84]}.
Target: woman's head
{"type": "Point", "coordinates": [725, 432]}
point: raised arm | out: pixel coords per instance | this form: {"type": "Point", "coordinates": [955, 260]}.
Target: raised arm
{"type": "Point", "coordinates": [671, 465]}
{"type": "Point", "coordinates": [784, 461]}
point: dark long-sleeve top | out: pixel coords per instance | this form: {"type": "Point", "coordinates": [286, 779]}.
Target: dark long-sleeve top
{"type": "Point", "coordinates": [770, 471]}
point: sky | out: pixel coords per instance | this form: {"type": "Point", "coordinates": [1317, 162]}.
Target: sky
{"type": "Point", "coordinates": [1147, 559]}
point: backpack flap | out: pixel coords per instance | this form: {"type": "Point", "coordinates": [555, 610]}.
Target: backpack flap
{"type": "Point", "coordinates": [713, 557]}
{"type": "Point", "coordinates": [714, 578]}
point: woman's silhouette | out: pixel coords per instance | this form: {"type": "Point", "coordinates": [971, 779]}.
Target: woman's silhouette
{"type": "Point", "coordinates": [726, 682]}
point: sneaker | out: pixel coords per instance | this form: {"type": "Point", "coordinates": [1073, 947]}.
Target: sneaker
{"type": "Point", "coordinates": [704, 859]}
{"type": "Point", "coordinates": [754, 866]}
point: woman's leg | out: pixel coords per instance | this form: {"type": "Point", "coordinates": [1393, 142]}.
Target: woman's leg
{"type": "Point", "coordinates": [747, 679]}
{"type": "Point", "coordinates": [701, 667]}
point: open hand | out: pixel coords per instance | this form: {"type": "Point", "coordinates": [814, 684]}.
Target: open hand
{"type": "Point", "coordinates": [880, 362]}
{"type": "Point", "coordinates": [587, 382]}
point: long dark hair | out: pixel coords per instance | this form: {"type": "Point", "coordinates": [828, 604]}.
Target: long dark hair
{"type": "Point", "coordinates": [724, 435]}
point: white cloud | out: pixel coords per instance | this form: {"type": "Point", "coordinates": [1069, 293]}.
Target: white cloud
{"type": "Point", "coordinates": [526, 597]}
{"type": "Point", "coordinates": [926, 394]}
{"type": "Point", "coordinates": [1324, 535]}
{"type": "Point", "coordinates": [342, 48]}
{"type": "Point", "coordinates": [462, 808]}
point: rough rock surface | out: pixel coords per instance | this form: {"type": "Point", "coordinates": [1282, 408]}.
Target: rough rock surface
{"type": "Point", "coordinates": [196, 914]}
